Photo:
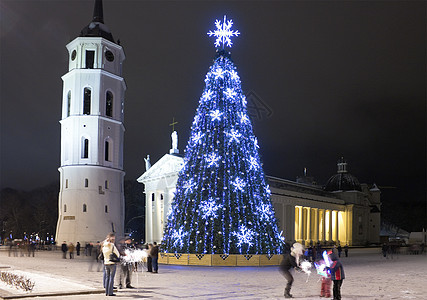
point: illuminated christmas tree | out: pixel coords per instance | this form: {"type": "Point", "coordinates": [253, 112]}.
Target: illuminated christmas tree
{"type": "Point", "coordinates": [222, 201]}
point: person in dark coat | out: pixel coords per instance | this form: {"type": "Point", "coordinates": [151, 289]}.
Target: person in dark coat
{"type": "Point", "coordinates": [64, 249]}
{"type": "Point", "coordinates": [149, 259]}
{"type": "Point", "coordinates": [337, 275]}
{"type": "Point", "coordinates": [125, 266]}
{"type": "Point", "coordinates": [339, 250]}
{"type": "Point", "coordinates": [291, 260]}
{"type": "Point", "coordinates": [78, 246]}
{"type": "Point", "coordinates": [154, 254]}
{"type": "Point", "coordinates": [346, 250]}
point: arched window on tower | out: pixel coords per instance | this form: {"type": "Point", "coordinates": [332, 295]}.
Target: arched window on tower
{"type": "Point", "coordinates": [109, 104]}
{"type": "Point", "coordinates": [68, 103]}
{"type": "Point", "coordinates": [84, 208]}
{"type": "Point", "coordinates": [85, 148]}
{"type": "Point", "coordinates": [106, 208]}
{"type": "Point", "coordinates": [86, 182]}
{"type": "Point", "coordinates": [87, 95]}
{"type": "Point", "coordinates": [65, 207]}
{"type": "Point", "coordinates": [107, 151]}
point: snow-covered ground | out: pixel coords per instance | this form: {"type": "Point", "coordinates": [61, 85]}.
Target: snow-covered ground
{"type": "Point", "coordinates": [368, 276]}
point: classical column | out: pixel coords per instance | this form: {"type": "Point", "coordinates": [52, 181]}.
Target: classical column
{"type": "Point", "coordinates": [149, 217]}
{"type": "Point", "coordinates": [308, 225]}
{"type": "Point", "coordinates": [330, 225]}
{"type": "Point", "coordinates": [300, 224]}
{"type": "Point", "coordinates": [337, 237]}
{"type": "Point", "coordinates": [323, 237]}
{"type": "Point", "coordinates": [316, 224]}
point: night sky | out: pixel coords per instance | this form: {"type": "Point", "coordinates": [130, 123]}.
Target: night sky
{"type": "Point", "coordinates": [335, 78]}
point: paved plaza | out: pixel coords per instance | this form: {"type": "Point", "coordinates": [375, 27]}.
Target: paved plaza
{"type": "Point", "coordinates": [368, 276]}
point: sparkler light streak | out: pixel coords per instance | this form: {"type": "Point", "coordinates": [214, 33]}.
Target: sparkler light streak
{"type": "Point", "coordinates": [327, 259]}
{"type": "Point", "coordinates": [134, 256]}
{"type": "Point", "coordinates": [305, 267]}
{"type": "Point", "coordinates": [321, 269]}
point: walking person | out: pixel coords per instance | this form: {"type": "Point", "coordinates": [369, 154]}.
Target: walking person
{"type": "Point", "coordinates": [149, 259]}
{"type": "Point", "coordinates": [78, 248]}
{"type": "Point", "coordinates": [125, 266]}
{"type": "Point", "coordinates": [346, 250]}
{"type": "Point", "coordinates": [291, 260]}
{"type": "Point", "coordinates": [154, 254]}
{"type": "Point", "coordinates": [339, 250]}
{"type": "Point", "coordinates": [337, 275]}
{"type": "Point", "coordinates": [71, 250]}
{"type": "Point", "coordinates": [384, 250]}
{"type": "Point", "coordinates": [108, 248]}
{"type": "Point", "coordinates": [64, 250]}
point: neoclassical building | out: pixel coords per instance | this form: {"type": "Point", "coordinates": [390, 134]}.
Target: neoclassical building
{"type": "Point", "coordinates": [343, 211]}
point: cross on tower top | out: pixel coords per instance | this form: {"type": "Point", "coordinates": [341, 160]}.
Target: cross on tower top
{"type": "Point", "coordinates": [173, 124]}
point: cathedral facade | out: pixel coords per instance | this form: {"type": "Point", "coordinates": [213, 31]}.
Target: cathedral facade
{"type": "Point", "coordinates": [341, 212]}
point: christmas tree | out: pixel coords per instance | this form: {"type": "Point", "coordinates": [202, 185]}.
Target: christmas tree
{"type": "Point", "coordinates": [222, 201]}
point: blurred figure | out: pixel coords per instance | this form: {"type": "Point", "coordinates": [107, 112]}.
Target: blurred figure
{"type": "Point", "coordinates": [346, 250]}
{"type": "Point", "coordinates": [154, 254]}
{"type": "Point", "coordinates": [384, 250]}
{"type": "Point", "coordinates": [149, 259]}
{"type": "Point", "coordinates": [339, 250]}
{"type": "Point", "coordinates": [64, 250]}
{"type": "Point", "coordinates": [78, 248]}
{"type": "Point", "coordinates": [71, 250]}
{"type": "Point", "coordinates": [325, 287]}
{"type": "Point", "coordinates": [108, 248]}
{"type": "Point", "coordinates": [337, 275]}
{"type": "Point", "coordinates": [291, 260]}
{"type": "Point", "coordinates": [125, 267]}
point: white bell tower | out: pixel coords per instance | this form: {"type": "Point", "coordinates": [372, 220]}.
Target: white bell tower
{"type": "Point", "coordinates": [91, 197]}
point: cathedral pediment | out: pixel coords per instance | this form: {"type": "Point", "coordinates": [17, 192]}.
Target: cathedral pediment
{"type": "Point", "coordinates": [168, 165]}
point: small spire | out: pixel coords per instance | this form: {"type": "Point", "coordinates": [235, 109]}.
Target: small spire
{"type": "Point", "coordinates": [98, 14]}
{"type": "Point", "coordinates": [342, 165]}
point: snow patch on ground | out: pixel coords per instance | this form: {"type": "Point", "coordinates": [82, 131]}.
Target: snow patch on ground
{"type": "Point", "coordinates": [44, 283]}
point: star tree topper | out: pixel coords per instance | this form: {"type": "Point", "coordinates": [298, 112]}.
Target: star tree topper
{"type": "Point", "coordinates": [223, 32]}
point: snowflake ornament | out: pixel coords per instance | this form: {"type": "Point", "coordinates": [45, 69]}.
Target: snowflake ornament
{"type": "Point", "coordinates": [265, 212]}
{"type": "Point", "coordinates": [197, 138]}
{"type": "Point", "coordinates": [215, 115]}
{"type": "Point", "coordinates": [219, 73]}
{"type": "Point", "coordinates": [189, 185]}
{"type": "Point", "coordinates": [244, 236]}
{"type": "Point", "coordinates": [178, 237]}
{"type": "Point", "coordinates": [207, 95]}
{"type": "Point", "coordinates": [209, 209]}
{"type": "Point", "coordinates": [239, 184]}
{"type": "Point", "coordinates": [212, 159]}
{"type": "Point", "coordinates": [253, 163]}
{"type": "Point", "coordinates": [234, 135]}
{"type": "Point", "coordinates": [230, 93]}
{"type": "Point", "coordinates": [223, 32]}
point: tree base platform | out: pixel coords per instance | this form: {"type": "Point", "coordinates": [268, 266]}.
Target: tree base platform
{"type": "Point", "coordinates": [230, 260]}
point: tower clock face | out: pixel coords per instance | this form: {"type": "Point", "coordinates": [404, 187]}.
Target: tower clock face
{"type": "Point", "coordinates": [73, 55]}
{"type": "Point", "coordinates": [109, 55]}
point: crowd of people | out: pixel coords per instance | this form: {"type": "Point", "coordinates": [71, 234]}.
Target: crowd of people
{"type": "Point", "coordinates": [329, 258]}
